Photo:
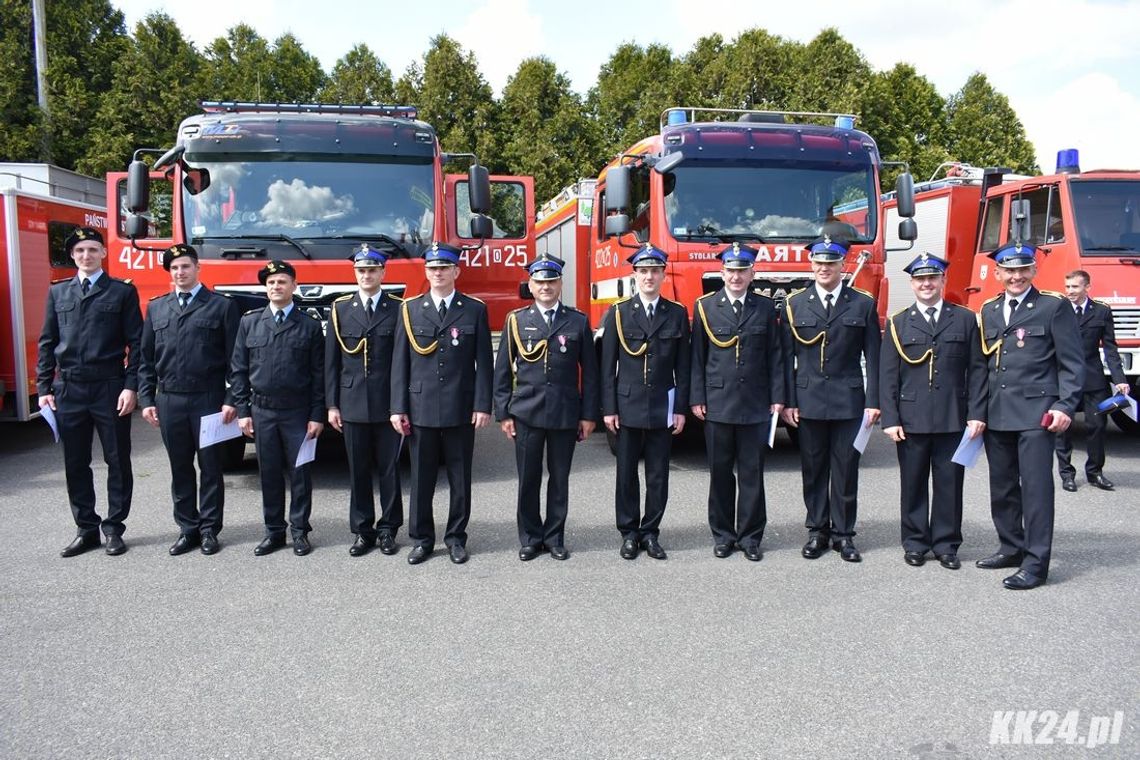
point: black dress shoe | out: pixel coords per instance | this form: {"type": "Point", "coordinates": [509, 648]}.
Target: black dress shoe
{"type": "Point", "coordinates": [418, 554]}
{"type": "Point", "coordinates": [301, 545]}
{"type": "Point", "coordinates": [1101, 482]}
{"type": "Point", "coordinates": [527, 553]}
{"type": "Point", "coordinates": [629, 549]}
{"type": "Point", "coordinates": [1022, 581]}
{"type": "Point", "coordinates": [915, 559]}
{"type": "Point", "coordinates": [361, 546]}
{"type": "Point", "coordinates": [753, 553]}
{"type": "Point", "coordinates": [86, 542]}
{"type": "Point", "coordinates": [387, 544]}
{"type": "Point", "coordinates": [722, 550]}
{"type": "Point", "coordinates": [458, 553]}
{"type": "Point", "coordinates": [210, 544]}
{"type": "Point", "coordinates": [950, 561]}
{"type": "Point", "coordinates": [116, 546]}
{"type": "Point", "coordinates": [847, 550]}
{"type": "Point", "coordinates": [183, 545]}
{"type": "Point", "coordinates": [815, 547]}
{"type": "Point", "coordinates": [1069, 485]}
{"type": "Point", "coordinates": [653, 548]}
{"type": "Point", "coordinates": [268, 545]}
{"type": "Point", "coordinates": [997, 561]}
{"type": "Point", "coordinates": [559, 552]}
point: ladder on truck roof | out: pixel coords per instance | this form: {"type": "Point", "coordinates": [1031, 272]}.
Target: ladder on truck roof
{"type": "Point", "coordinates": [232, 106]}
{"type": "Point", "coordinates": [689, 114]}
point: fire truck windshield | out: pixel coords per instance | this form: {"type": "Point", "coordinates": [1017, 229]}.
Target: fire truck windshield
{"type": "Point", "coordinates": [316, 202]}
{"type": "Point", "coordinates": [770, 202]}
{"type": "Point", "coordinates": [1108, 215]}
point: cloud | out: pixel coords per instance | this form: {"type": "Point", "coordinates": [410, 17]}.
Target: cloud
{"type": "Point", "coordinates": [296, 204]}
{"type": "Point", "coordinates": [501, 33]}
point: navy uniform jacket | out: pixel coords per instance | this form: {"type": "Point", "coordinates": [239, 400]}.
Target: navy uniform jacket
{"type": "Point", "coordinates": [187, 351]}
{"type": "Point", "coordinates": [942, 401]}
{"type": "Point", "coordinates": [560, 388]}
{"type": "Point", "coordinates": [361, 396]}
{"type": "Point", "coordinates": [443, 387]}
{"type": "Point", "coordinates": [736, 384]}
{"type": "Point", "coordinates": [279, 367]}
{"type": "Point", "coordinates": [1046, 373]}
{"type": "Point", "coordinates": [88, 338]}
{"type": "Point", "coordinates": [1097, 331]}
{"type": "Point", "coordinates": [834, 391]}
{"type": "Point", "coordinates": [636, 388]}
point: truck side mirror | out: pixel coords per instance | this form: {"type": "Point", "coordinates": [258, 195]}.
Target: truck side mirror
{"type": "Point", "coordinates": [904, 194]}
{"type": "Point", "coordinates": [908, 229]}
{"type": "Point", "coordinates": [481, 227]}
{"type": "Point", "coordinates": [479, 189]}
{"type": "Point", "coordinates": [618, 224]}
{"type": "Point", "coordinates": [618, 190]}
{"type": "Point", "coordinates": [1019, 228]}
{"type": "Point", "coordinates": [669, 162]}
{"type": "Point", "coordinates": [138, 187]}
{"type": "Point", "coordinates": [136, 226]}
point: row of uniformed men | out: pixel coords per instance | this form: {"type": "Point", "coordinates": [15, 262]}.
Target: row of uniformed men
{"type": "Point", "coordinates": [423, 368]}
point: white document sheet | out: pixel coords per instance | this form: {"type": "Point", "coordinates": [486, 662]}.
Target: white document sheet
{"type": "Point", "coordinates": [772, 431]}
{"type": "Point", "coordinates": [49, 417]}
{"type": "Point", "coordinates": [213, 430]}
{"type": "Point", "coordinates": [968, 449]}
{"type": "Point", "coordinates": [669, 416]}
{"type": "Point", "coordinates": [864, 434]}
{"type": "Point", "coordinates": [307, 452]}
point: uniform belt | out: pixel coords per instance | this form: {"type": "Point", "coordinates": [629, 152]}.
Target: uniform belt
{"type": "Point", "coordinates": [94, 374]}
{"type": "Point", "coordinates": [278, 400]}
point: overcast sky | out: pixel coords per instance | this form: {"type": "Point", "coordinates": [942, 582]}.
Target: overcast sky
{"type": "Point", "coordinates": [1070, 69]}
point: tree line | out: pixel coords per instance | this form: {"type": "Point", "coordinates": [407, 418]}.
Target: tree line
{"type": "Point", "coordinates": [112, 92]}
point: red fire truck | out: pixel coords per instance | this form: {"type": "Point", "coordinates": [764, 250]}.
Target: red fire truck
{"type": "Point", "coordinates": [1077, 220]}
{"type": "Point", "coordinates": [40, 205]}
{"type": "Point", "coordinates": [772, 180]}
{"type": "Point", "coordinates": [248, 182]}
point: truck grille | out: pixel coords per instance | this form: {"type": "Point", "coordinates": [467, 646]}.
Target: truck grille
{"type": "Point", "coordinates": [1126, 323]}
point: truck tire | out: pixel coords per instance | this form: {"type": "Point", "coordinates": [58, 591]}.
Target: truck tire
{"type": "Point", "coordinates": [1125, 423]}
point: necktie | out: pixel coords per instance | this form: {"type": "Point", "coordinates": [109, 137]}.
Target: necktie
{"type": "Point", "coordinates": [1012, 307]}
{"type": "Point", "coordinates": [930, 311]}
{"type": "Point", "coordinates": [736, 309]}
{"type": "Point", "coordinates": [183, 299]}
{"type": "Point", "coordinates": [549, 318]}
{"type": "Point", "coordinates": [85, 286]}
{"type": "Point", "coordinates": [369, 309]}
{"type": "Point", "coordinates": [649, 312]}
{"type": "Point", "coordinates": [827, 304]}
{"type": "Point", "coordinates": [280, 317]}
{"type": "Point", "coordinates": [442, 310]}
{"type": "Point", "coordinates": [1080, 311]}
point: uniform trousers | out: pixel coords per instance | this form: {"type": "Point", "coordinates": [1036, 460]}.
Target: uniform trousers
{"type": "Point", "coordinates": [633, 444]}
{"type": "Point", "coordinates": [1021, 494]}
{"type": "Point", "coordinates": [931, 524]}
{"type": "Point", "coordinates": [373, 447]}
{"type": "Point", "coordinates": [454, 447]}
{"type": "Point", "coordinates": [1095, 425]}
{"type": "Point", "coordinates": [84, 409]}
{"type": "Point", "coordinates": [531, 443]}
{"type": "Point", "coordinates": [830, 465]}
{"type": "Point", "coordinates": [197, 508]}
{"type": "Point", "coordinates": [279, 434]}
{"type": "Point", "coordinates": [736, 517]}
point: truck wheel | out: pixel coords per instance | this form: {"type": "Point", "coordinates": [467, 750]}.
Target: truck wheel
{"type": "Point", "coordinates": [233, 454]}
{"type": "Point", "coordinates": [1125, 423]}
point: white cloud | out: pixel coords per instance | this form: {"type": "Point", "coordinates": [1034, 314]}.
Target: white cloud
{"type": "Point", "coordinates": [501, 33]}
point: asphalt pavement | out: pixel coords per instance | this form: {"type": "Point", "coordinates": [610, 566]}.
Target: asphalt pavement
{"type": "Point", "coordinates": [151, 656]}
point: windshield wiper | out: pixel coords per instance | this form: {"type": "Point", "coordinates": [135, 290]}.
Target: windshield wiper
{"type": "Point", "coordinates": [1109, 248]}
{"type": "Point", "coordinates": [378, 237]}
{"type": "Point", "coordinates": [280, 238]}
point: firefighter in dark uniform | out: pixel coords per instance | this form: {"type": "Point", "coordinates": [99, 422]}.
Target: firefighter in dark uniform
{"type": "Point", "coordinates": [88, 375]}
{"type": "Point", "coordinates": [932, 386]}
{"type": "Point", "coordinates": [1095, 322]}
{"type": "Point", "coordinates": [546, 399]}
{"type": "Point", "coordinates": [442, 374]}
{"type": "Point", "coordinates": [187, 342]}
{"type": "Point", "coordinates": [279, 391]}
{"type": "Point", "coordinates": [645, 392]}
{"type": "Point", "coordinates": [830, 329]}
{"type": "Point", "coordinates": [737, 385]}
{"type": "Point", "coordinates": [358, 382]}
{"type": "Point", "coordinates": [1036, 372]}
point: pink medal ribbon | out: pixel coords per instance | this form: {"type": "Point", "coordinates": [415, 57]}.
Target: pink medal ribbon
{"type": "Point", "coordinates": [1021, 337]}
{"type": "Point", "coordinates": [562, 343]}
{"type": "Point", "coordinates": [455, 336]}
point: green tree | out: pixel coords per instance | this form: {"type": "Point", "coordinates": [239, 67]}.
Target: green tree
{"type": "Point", "coordinates": [759, 71]}
{"type": "Point", "coordinates": [359, 77]}
{"type": "Point", "coordinates": [544, 132]}
{"type": "Point", "coordinates": [983, 129]}
{"type": "Point", "coordinates": [237, 66]}
{"type": "Point", "coordinates": [906, 116]}
{"type": "Point", "coordinates": [698, 77]}
{"type": "Point", "coordinates": [634, 86]}
{"type": "Point", "coordinates": [84, 38]}
{"type": "Point", "coordinates": [153, 89]}
{"type": "Point", "coordinates": [294, 75]}
{"type": "Point", "coordinates": [832, 74]}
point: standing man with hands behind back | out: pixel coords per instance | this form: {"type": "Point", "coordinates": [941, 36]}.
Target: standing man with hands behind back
{"type": "Point", "coordinates": [88, 375]}
{"type": "Point", "coordinates": [187, 343]}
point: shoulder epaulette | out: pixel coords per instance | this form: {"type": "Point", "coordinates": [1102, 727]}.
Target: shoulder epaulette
{"type": "Point", "coordinates": [347, 297]}
{"type": "Point", "coordinates": [254, 311]}
{"type": "Point", "coordinates": [762, 295]}
{"type": "Point", "coordinates": [160, 295]}
{"type": "Point", "coordinates": [860, 290]}
{"type": "Point", "coordinates": [1053, 293]}
{"type": "Point", "coordinates": [473, 298]}
{"type": "Point", "coordinates": [1102, 303]}
{"type": "Point", "coordinates": [571, 308]}
{"type": "Point", "coordinates": [797, 291]}
{"type": "Point", "coordinates": [310, 315]}
{"type": "Point", "coordinates": [900, 311]}
{"type": "Point", "coordinates": [622, 300]}
{"type": "Point", "coordinates": [991, 300]}
{"type": "Point", "coordinates": [706, 295]}
{"type": "Point", "coordinates": [62, 279]}
{"type": "Point", "coordinates": [521, 309]}
{"type": "Point", "coordinates": [395, 297]}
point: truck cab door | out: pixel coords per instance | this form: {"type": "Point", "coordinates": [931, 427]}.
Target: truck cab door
{"type": "Point", "coordinates": [124, 259]}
